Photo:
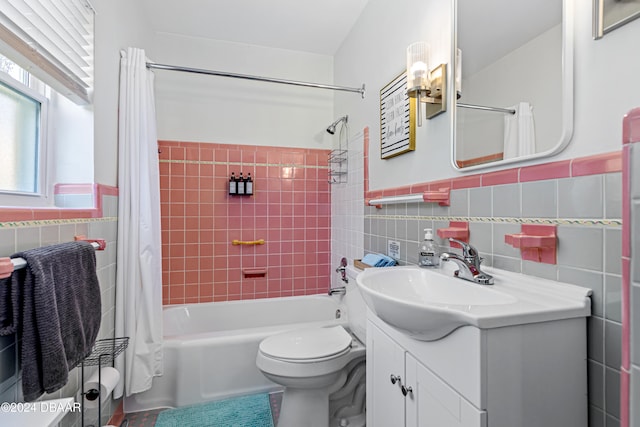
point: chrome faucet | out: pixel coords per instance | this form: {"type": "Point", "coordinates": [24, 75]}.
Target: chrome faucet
{"type": "Point", "coordinates": [340, 290]}
{"type": "Point", "coordinates": [468, 264]}
{"type": "Point", "coordinates": [342, 270]}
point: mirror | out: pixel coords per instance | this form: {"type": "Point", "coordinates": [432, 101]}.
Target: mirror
{"type": "Point", "coordinates": [515, 82]}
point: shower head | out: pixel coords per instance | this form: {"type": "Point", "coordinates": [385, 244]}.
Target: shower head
{"type": "Point", "coordinates": [332, 127]}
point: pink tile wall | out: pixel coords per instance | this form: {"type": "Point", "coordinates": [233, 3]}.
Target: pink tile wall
{"type": "Point", "coordinates": [290, 210]}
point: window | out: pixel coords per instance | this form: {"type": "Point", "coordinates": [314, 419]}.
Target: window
{"type": "Point", "coordinates": [53, 40]}
{"type": "Point", "coordinates": [13, 70]}
{"type": "Point", "coordinates": [22, 118]}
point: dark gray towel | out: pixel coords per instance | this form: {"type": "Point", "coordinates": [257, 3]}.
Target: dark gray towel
{"type": "Point", "coordinates": [9, 308]}
{"type": "Point", "coordinates": [61, 313]}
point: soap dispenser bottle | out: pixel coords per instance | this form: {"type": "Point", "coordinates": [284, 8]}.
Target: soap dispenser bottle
{"type": "Point", "coordinates": [428, 255]}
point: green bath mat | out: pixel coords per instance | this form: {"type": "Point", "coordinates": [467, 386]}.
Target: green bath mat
{"type": "Point", "coordinates": [244, 411]}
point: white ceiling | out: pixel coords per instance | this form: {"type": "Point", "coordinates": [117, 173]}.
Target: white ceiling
{"type": "Point", "coordinates": [301, 25]}
{"type": "Point", "coordinates": [487, 29]}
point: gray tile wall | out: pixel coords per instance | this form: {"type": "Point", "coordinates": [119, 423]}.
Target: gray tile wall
{"type": "Point", "coordinates": [588, 254]}
{"type": "Point", "coordinates": [13, 239]}
{"type": "Point", "coordinates": [635, 392]}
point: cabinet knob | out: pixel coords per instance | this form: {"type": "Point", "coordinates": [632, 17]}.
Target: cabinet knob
{"type": "Point", "coordinates": [395, 379]}
{"type": "Point", "coordinates": [406, 390]}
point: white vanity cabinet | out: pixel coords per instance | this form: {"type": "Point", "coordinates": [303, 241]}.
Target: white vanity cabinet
{"type": "Point", "coordinates": [529, 375]}
{"type": "Point", "coordinates": [385, 370]}
{"type": "Point", "coordinates": [403, 392]}
{"type": "Point", "coordinates": [432, 403]}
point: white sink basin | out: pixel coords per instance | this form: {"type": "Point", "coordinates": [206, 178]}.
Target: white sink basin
{"type": "Point", "coordinates": [428, 304]}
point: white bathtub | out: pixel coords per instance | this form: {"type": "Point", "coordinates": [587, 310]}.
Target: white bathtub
{"type": "Point", "coordinates": [210, 349]}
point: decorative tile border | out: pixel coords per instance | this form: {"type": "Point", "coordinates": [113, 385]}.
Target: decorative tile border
{"type": "Point", "coordinates": [505, 220]}
{"type": "Point", "coordinates": [630, 137]}
{"type": "Point", "coordinates": [582, 166]}
{"type": "Point", "coordinates": [544, 171]}
{"type": "Point", "coordinates": [208, 162]}
{"type": "Point", "coordinates": [507, 176]}
{"type": "Point", "coordinates": [631, 127]}
{"type": "Point", "coordinates": [45, 222]}
{"type": "Point", "coordinates": [598, 164]}
{"type": "Point", "coordinates": [74, 188]}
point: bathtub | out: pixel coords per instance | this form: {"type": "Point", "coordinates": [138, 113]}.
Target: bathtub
{"type": "Point", "coordinates": [210, 349]}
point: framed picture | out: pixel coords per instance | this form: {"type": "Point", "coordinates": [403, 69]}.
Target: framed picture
{"type": "Point", "coordinates": [397, 119]}
{"type": "Point", "coordinates": [611, 14]}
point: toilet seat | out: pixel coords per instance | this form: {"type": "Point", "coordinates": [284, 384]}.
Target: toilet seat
{"type": "Point", "coordinates": [307, 345]}
{"type": "Point", "coordinates": [309, 363]}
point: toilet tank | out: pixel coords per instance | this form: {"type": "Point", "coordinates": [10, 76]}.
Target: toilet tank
{"type": "Point", "coordinates": [356, 307]}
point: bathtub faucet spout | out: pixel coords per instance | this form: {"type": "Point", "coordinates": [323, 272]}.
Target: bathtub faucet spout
{"type": "Point", "coordinates": [340, 290]}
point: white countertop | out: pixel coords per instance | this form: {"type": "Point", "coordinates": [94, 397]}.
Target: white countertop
{"type": "Point", "coordinates": [36, 414]}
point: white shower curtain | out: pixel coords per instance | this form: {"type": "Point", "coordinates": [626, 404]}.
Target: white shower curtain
{"type": "Point", "coordinates": [139, 267]}
{"type": "Point", "coordinates": [519, 132]}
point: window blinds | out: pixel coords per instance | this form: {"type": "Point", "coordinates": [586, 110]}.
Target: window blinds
{"type": "Point", "coordinates": [53, 40]}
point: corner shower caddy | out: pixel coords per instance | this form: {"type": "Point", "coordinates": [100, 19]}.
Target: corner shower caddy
{"type": "Point", "coordinates": [337, 158]}
{"type": "Point", "coordinates": [104, 351]}
{"type": "Point", "coordinates": [338, 166]}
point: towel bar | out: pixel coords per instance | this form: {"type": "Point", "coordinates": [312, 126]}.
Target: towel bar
{"type": "Point", "coordinates": [252, 242]}
{"type": "Point", "coordinates": [9, 265]}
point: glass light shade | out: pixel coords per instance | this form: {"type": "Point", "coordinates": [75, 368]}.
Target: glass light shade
{"type": "Point", "coordinates": [418, 66]}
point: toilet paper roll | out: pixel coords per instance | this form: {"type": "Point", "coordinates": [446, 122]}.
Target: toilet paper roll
{"type": "Point", "coordinates": [109, 378]}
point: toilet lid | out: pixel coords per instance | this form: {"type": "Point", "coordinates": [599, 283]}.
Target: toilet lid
{"type": "Point", "coordinates": [302, 344]}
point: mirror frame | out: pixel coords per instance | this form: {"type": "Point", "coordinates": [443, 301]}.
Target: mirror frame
{"type": "Point", "coordinates": [567, 98]}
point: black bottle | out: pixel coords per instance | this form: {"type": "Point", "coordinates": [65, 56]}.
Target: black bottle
{"type": "Point", "coordinates": [233, 184]}
{"type": "Point", "coordinates": [240, 183]}
{"type": "Point", "coordinates": [248, 185]}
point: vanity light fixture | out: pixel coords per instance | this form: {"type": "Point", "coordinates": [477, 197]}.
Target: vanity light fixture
{"type": "Point", "coordinates": [427, 85]}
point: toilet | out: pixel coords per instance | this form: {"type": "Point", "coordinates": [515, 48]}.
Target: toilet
{"type": "Point", "coordinates": [315, 363]}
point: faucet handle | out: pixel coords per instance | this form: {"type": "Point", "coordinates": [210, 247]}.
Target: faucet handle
{"type": "Point", "coordinates": [467, 249]}
{"type": "Point", "coordinates": [469, 253]}
{"type": "Point", "coordinates": [342, 269]}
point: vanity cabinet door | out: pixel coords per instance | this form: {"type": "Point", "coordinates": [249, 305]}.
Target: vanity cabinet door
{"type": "Point", "coordinates": [432, 403]}
{"type": "Point", "coordinates": [385, 402]}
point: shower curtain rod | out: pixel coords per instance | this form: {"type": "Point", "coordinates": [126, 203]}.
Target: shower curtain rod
{"type": "Point", "coordinates": [482, 107]}
{"type": "Point", "coordinates": [156, 66]}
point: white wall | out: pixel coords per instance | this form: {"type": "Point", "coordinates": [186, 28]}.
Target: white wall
{"type": "Point", "coordinates": [203, 108]}
{"type": "Point", "coordinates": [207, 108]}
{"type": "Point", "coordinates": [606, 87]}
{"type": "Point", "coordinates": [119, 24]}
{"type": "Point", "coordinates": [71, 133]}
{"type": "Point", "coordinates": [606, 84]}
{"type": "Point", "coordinates": [375, 52]}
